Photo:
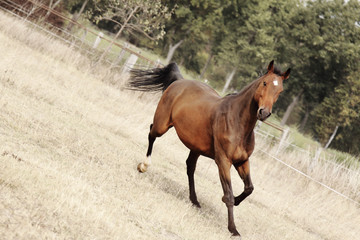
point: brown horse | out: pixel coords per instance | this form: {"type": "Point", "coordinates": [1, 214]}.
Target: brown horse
{"type": "Point", "coordinates": [209, 125]}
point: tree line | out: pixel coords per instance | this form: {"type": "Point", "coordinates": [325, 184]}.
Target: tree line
{"type": "Point", "coordinates": [232, 41]}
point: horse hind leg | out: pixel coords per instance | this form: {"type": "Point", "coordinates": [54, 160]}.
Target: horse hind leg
{"type": "Point", "coordinates": [156, 130]}
{"type": "Point", "coordinates": [191, 166]}
{"type": "Point", "coordinates": [142, 167]}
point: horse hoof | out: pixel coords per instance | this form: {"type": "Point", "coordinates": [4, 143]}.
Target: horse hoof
{"type": "Point", "coordinates": [237, 237]}
{"type": "Point", "coordinates": [142, 167]}
{"type": "Point", "coordinates": [198, 205]}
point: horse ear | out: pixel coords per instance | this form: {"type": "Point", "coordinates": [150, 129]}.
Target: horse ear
{"type": "Point", "coordinates": [286, 74]}
{"type": "Point", "coordinates": [271, 66]}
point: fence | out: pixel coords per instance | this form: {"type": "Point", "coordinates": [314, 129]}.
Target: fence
{"type": "Point", "coordinates": [124, 57]}
{"type": "Point", "coordinates": [283, 144]}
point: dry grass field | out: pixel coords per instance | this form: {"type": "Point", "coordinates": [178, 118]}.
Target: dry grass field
{"type": "Point", "coordinates": [70, 144]}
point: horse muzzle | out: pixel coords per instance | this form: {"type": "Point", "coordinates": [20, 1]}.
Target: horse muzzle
{"type": "Point", "coordinates": [263, 114]}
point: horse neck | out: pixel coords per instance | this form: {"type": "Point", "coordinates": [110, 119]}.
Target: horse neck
{"type": "Point", "coordinates": [245, 107]}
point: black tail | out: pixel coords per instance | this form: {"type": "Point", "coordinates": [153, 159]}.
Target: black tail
{"type": "Point", "coordinates": [153, 80]}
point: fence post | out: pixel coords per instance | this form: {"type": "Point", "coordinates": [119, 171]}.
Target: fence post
{"type": "Point", "coordinates": [84, 36]}
{"type": "Point", "coordinates": [130, 62]}
{"type": "Point", "coordinates": [121, 55]}
{"type": "Point", "coordinates": [98, 39]}
{"type": "Point", "coordinates": [157, 63]}
{"type": "Point", "coordinates": [258, 125]}
{"type": "Point", "coordinates": [315, 160]}
{"type": "Point", "coordinates": [283, 138]}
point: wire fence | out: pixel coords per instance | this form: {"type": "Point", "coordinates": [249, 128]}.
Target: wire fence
{"type": "Point", "coordinates": [124, 56]}
{"type": "Point", "coordinates": [81, 37]}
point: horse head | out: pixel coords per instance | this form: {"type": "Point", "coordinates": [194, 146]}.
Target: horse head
{"type": "Point", "coordinates": [269, 88]}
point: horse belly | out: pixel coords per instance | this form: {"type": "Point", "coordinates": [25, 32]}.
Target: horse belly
{"type": "Point", "coordinates": [198, 141]}
{"type": "Point", "coordinates": [194, 130]}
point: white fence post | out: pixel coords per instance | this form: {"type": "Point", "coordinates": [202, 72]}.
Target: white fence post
{"type": "Point", "coordinates": [258, 125]}
{"type": "Point", "coordinates": [157, 63]}
{"type": "Point", "coordinates": [130, 62]}
{"type": "Point", "coordinates": [282, 140]}
{"type": "Point", "coordinates": [98, 39]}
{"type": "Point", "coordinates": [84, 36]}
{"type": "Point", "coordinates": [121, 55]}
{"type": "Point", "coordinates": [314, 161]}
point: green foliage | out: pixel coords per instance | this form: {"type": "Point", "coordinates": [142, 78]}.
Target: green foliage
{"type": "Point", "coordinates": [341, 108]}
{"type": "Point", "coordinates": [249, 41]}
{"type": "Point", "coordinates": [74, 5]}
{"type": "Point", "coordinates": [322, 45]}
{"type": "Point", "coordinates": [135, 16]}
{"type": "Point", "coordinates": [200, 25]}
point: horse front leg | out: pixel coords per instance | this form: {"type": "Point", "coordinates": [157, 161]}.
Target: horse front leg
{"type": "Point", "coordinates": [224, 166]}
{"type": "Point", "coordinates": [244, 172]}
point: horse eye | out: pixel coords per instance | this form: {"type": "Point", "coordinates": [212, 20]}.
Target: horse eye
{"type": "Point", "coordinates": [264, 83]}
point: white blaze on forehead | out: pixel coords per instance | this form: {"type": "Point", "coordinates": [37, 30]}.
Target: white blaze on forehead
{"type": "Point", "coordinates": [276, 83]}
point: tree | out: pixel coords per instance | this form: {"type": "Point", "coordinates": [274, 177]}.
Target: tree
{"type": "Point", "coordinates": [340, 109]}
{"type": "Point", "coordinates": [143, 16]}
{"type": "Point", "coordinates": [248, 43]}
{"type": "Point", "coordinates": [323, 45]}
{"type": "Point", "coordinates": [77, 7]}
{"type": "Point", "coordinates": [52, 6]}
{"type": "Point", "coordinates": [192, 32]}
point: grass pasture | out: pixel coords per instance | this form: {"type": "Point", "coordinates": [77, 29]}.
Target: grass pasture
{"type": "Point", "coordinates": [70, 143]}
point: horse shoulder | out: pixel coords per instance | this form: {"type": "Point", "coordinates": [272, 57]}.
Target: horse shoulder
{"type": "Point", "coordinates": [230, 137]}
{"type": "Point", "coordinates": [250, 143]}
{"type": "Point", "coordinates": [223, 133]}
